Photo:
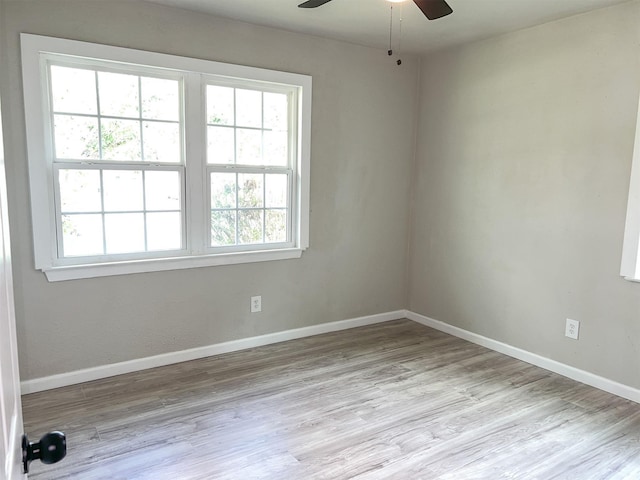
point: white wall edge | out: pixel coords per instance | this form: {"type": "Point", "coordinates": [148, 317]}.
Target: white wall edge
{"type": "Point", "coordinates": [568, 371]}
{"type": "Point", "coordinates": [104, 371]}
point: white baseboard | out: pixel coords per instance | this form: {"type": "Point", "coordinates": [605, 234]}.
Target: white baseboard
{"type": "Point", "coordinates": [104, 371]}
{"type": "Point", "coordinates": [582, 376]}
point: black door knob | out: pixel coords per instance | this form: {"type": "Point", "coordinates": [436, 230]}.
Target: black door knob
{"type": "Point", "coordinates": [51, 448]}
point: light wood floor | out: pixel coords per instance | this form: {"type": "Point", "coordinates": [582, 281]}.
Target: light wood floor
{"type": "Point", "coordinates": [391, 401]}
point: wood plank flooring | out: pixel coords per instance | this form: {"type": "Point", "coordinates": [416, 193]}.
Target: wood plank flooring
{"type": "Point", "coordinates": [391, 401]}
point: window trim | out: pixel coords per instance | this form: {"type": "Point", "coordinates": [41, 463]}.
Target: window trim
{"type": "Point", "coordinates": [41, 168]}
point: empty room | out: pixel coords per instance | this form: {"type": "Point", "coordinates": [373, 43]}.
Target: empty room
{"type": "Point", "coordinates": [343, 239]}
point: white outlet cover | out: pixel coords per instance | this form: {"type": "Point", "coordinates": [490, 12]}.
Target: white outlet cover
{"type": "Point", "coordinates": [572, 329]}
{"type": "Point", "coordinates": [256, 304]}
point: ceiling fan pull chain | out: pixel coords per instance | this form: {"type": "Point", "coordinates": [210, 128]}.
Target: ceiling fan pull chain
{"type": "Point", "coordinates": [399, 61]}
{"type": "Point", "coordinates": [390, 51]}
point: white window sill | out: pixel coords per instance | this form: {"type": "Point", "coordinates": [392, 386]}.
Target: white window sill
{"type": "Point", "coordinates": [73, 272]}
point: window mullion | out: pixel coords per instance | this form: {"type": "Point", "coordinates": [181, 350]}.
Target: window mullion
{"type": "Point", "coordinates": [264, 207]}
{"type": "Point", "coordinates": [235, 162]}
{"type": "Point", "coordinates": [98, 114]}
{"type": "Point", "coordinates": [195, 154]}
{"type": "Point", "coordinates": [237, 211]}
{"type": "Point", "coordinates": [58, 211]}
{"type": "Point", "coordinates": [142, 152]}
{"type": "Point", "coordinates": [264, 176]}
{"type": "Point", "coordinates": [102, 213]}
{"type": "Point", "coordinates": [144, 209]}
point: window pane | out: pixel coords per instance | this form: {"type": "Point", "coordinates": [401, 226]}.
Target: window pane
{"type": "Point", "coordinates": [220, 105]}
{"type": "Point", "coordinates": [250, 226]}
{"type": "Point", "coordinates": [276, 190]}
{"type": "Point", "coordinates": [275, 148]}
{"type": "Point", "coordinates": [220, 148]}
{"type": "Point", "coordinates": [248, 108]}
{"type": "Point", "coordinates": [162, 190]}
{"type": "Point", "coordinates": [249, 146]}
{"type": "Point", "coordinates": [124, 232]}
{"type": "Point", "coordinates": [223, 228]}
{"type": "Point", "coordinates": [275, 226]}
{"type": "Point", "coordinates": [118, 94]}
{"type": "Point", "coordinates": [161, 142]}
{"type": "Point", "coordinates": [223, 190]}
{"type": "Point", "coordinates": [73, 90]}
{"type": "Point", "coordinates": [79, 191]}
{"type": "Point", "coordinates": [76, 137]}
{"type": "Point", "coordinates": [275, 111]}
{"type": "Point", "coordinates": [160, 98]}
{"type": "Point", "coordinates": [82, 235]}
{"type": "Point", "coordinates": [250, 190]}
{"type": "Point", "coordinates": [121, 140]}
{"type": "Point", "coordinates": [122, 190]}
{"type": "Point", "coordinates": [164, 231]}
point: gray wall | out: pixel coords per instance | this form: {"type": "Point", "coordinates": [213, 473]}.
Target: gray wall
{"type": "Point", "coordinates": [362, 145]}
{"type": "Point", "coordinates": [521, 184]}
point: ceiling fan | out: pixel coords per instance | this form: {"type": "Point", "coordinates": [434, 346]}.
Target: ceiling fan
{"type": "Point", "coordinates": [433, 9]}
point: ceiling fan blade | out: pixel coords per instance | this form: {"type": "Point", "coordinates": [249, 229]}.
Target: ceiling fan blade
{"type": "Point", "coordinates": [313, 3]}
{"type": "Point", "coordinates": [433, 9]}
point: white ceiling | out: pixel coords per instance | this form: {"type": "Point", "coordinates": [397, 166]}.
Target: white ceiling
{"type": "Point", "coordinates": [366, 22]}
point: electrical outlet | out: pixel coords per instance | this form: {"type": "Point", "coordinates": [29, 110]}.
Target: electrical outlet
{"type": "Point", "coordinates": [572, 329]}
{"type": "Point", "coordinates": [256, 304]}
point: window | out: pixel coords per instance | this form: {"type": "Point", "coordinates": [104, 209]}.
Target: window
{"type": "Point", "coordinates": [247, 165]}
{"type": "Point", "coordinates": [141, 161]}
{"type": "Point", "coordinates": [117, 162]}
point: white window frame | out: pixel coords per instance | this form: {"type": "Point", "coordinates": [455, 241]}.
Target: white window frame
{"type": "Point", "coordinates": [196, 252]}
